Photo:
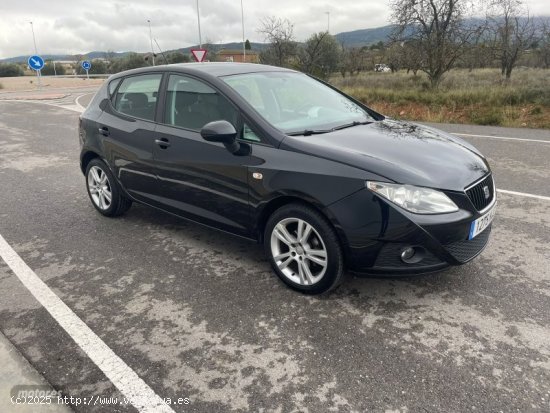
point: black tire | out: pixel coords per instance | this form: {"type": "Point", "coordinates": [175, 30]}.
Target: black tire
{"type": "Point", "coordinates": [119, 203]}
{"type": "Point", "coordinates": [334, 264]}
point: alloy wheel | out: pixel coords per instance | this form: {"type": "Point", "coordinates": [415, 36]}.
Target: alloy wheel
{"type": "Point", "coordinates": [100, 188]}
{"type": "Point", "coordinates": [299, 251]}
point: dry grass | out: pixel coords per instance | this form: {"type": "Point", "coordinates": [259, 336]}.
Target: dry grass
{"type": "Point", "coordinates": [30, 82]}
{"type": "Point", "coordinates": [477, 97]}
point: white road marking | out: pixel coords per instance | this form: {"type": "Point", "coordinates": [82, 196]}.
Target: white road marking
{"type": "Point", "coordinates": [504, 191]}
{"type": "Point", "coordinates": [83, 108]}
{"type": "Point", "coordinates": [74, 108]}
{"type": "Point", "coordinates": [138, 393]}
{"type": "Point", "coordinates": [501, 137]}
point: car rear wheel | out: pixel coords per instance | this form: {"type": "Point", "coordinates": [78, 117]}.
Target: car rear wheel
{"type": "Point", "coordinates": [103, 190]}
{"type": "Point", "coordinates": [304, 249]}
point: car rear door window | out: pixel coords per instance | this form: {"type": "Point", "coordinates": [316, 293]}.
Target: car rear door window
{"type": "Point", "coordinates": [191, 104]}
{"type": "Point", "coordinates": [137, 96]}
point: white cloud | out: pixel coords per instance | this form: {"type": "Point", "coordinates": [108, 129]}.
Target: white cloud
{"type": "Point", "coordinates": [77, 26]}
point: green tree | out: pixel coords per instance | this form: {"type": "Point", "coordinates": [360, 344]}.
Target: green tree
{"type": "Point", "coordinates": [319, 55]}
{"type": "Point", "coordinates": [10, 70]}
{"type": "Point", "coordinates": [99, 67]}
{"type": "Point", "coordinates": [48, 69]}
{"type": "Point", "coordinates": [176, 57]}
{"type": "Point", "coordinates": [247, 45]}
{"type": "Point", "coordinates": [130, 61]}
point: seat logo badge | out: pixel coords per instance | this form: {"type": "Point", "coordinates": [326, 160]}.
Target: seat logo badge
{"type": "Point", "coordinates": [257, 175]}
{"type": "Point", "coordinates": [486, 192]}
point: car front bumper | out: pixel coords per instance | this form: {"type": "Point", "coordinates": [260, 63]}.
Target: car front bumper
{"type": "Point", "coordinates": [375, 232]}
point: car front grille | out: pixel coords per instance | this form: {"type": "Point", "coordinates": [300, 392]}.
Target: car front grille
{"type": "Point", "coordinates": [477, 193]}
{"type": "Point", "coordinates": [465, 250]}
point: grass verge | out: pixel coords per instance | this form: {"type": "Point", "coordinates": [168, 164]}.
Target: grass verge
{"type": "Point", "coordinates": [477, 97]}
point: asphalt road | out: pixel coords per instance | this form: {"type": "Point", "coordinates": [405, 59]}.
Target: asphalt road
{"type": "Point", "coordinates": [198, 314]}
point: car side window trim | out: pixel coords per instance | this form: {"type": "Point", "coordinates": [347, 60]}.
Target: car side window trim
{"type": "Point", "coordinates": [118, 81]}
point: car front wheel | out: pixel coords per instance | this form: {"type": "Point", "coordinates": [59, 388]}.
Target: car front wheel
{"type": "Point", "coordinates": [304, 249]}
{"type": "Point", "coordinates": [103, 190]}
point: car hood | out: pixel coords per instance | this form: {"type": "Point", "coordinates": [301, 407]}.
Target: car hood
{"type": "Point", "coordinates": [406, 153]}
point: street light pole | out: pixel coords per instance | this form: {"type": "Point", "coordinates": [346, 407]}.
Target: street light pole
{"type": "Point", "coordinates": [38, 72]}
{"type": "Point", "coordinates": [328, 21]}
{"type": "Point", "coordinates": [242, 21]}
{"type": "Point", "coordinates": [34, 39]}
{"type": "Point", "coordinates": [199, 22]}
{"type": "Point", "coordinates": [151, 40]}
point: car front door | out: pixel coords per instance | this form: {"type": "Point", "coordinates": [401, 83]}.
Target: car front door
{"type": "Point", "coordinates": [128, 126]}
{"type": "Point", "coordinates": [198, 179]}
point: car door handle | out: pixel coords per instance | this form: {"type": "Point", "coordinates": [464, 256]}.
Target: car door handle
{"type": "Point", "coordinates": [163, 143]}
{"type": "Point", "coordinates": [104, 131]}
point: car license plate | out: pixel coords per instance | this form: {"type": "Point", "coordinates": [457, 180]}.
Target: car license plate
{"type": "Point", "coordinates": [480, 224]}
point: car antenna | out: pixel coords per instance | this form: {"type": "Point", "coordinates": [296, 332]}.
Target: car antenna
{"type": "Point", "coordinates": [161, 52]}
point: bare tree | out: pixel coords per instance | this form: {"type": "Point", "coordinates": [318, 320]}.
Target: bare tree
{"type": "Point", "coordinates": [438, 30]}
{"type": "Point", "coordinates": [211, 50]}
{"type": "Point", "coordinates": [352, 60]}
{"type": "Point", "coordinates": [412, 60]}
{"type": "Point", "coordinates": [512, 32]}
{"type": "Point", "coordinates": [395, 56]}
{"type": "Point", "coordinates": [477, 55]}
{"type": "Point", "coordinates": [544, 45]}
{"type": "Point", "coordinates": [279, 33]}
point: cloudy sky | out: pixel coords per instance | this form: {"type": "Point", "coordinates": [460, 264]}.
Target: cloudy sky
{"type": "Point", "coordinates": [78, 26]}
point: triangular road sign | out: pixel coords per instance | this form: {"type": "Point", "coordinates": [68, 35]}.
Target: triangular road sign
{"type": "Point", "coordinates": [199, 54]}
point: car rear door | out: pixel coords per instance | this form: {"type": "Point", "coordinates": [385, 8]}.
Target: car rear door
{"type": "Point", "coordinates": [198, 179]}
{"type": "Point", "coordinates": [128, 126]}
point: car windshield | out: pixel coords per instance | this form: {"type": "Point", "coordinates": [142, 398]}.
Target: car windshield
{"type": "Point", "coordinates": [296, 103]}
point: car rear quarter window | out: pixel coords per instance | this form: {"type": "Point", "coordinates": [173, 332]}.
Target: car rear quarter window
{"type": "Point", "coordinates": [137, 96]}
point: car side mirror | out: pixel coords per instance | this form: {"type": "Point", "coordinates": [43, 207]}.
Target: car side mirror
{"type": "Point", "coordinates": [221, 131]}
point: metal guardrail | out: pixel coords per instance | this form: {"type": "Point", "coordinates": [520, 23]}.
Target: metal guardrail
{"type": "Point", "coordinates": [105, 76]}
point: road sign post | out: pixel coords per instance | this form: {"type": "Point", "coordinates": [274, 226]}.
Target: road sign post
{"type": "Point", "coordinates": [199, 54]}
{"type": "Point", "coordinates": [36, 63]}
{"type": "Point", "coordinates": [87, 65]}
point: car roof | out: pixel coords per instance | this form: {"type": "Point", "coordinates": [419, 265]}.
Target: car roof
{"type": "Point", "coordinates": [216, 69]}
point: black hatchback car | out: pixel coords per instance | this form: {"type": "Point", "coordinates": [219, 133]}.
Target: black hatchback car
{"type": "Point", "coordinates": [276, 156]}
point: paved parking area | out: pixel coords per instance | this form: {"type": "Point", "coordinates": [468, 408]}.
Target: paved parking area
{"type": "Point", "coordinates": [198, 314]}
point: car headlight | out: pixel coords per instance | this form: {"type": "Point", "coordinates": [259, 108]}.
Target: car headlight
{"type": "Point", "coordinates": [414, 198]}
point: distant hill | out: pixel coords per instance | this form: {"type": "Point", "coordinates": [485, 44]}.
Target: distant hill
{"type": "Point", "coordinates": [258, 47]}
{"type": "Point", "coordinates": [355, 38]}
{"type": "Point", "coordinates": [90, 55]}
{"type": "Point", "coordinates": [100, 54]}
{"type": "Point", "coordinates": [364, 37]}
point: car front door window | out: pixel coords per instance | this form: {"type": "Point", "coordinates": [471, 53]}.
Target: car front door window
{"type": "Point", "coordinates": [191, 104]}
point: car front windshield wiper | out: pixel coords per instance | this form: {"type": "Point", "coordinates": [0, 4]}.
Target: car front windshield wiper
{"type": "Point", "coordinates": [308, 132]}
{"type": "Point", "coordinates": [349, 125]}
